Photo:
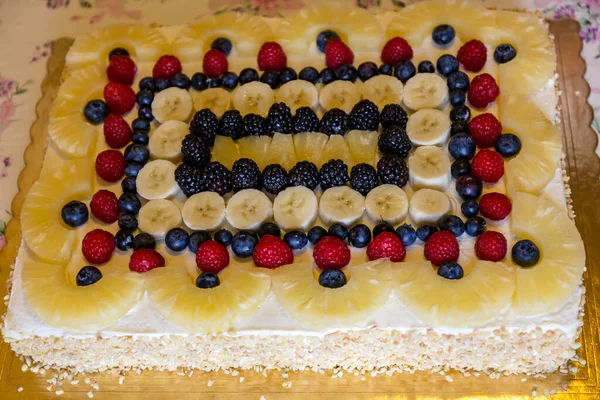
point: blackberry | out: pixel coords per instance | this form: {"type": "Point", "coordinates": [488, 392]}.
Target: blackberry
{"type": "Point", "coordinates": [279, 119]}
{"type": "Point", "coordinates": [363, 178]}
{"type": "Point", "coordinates": [206, 125]}
{"type": "Point", "coordinates": [392, 170]}
{"type": "Point", "coordinates": [334, 122]}
{"type": "Point", "coordinates": [393, 114]}
{"type": "Point", "coordinates": [217, 178]}
{"type": "Point", "coordinates": [333, 173]}
{"type": "Point", "coordinates": [274, 178]}
{"type": "Point", "coordinates": [231, 124]}
{"type": "Point", "coordinates": [304, 174]}
{"type": "Point", "coordinates": [364, 116]}
{"type": "Point", "coordinates": [245, 174]}
{"type": "Point", "coordinates": [189, 179]}
{"type": "Point", "coordinates": [305, 120]}
{"type": "Point", "coordinates": [195, 151]}
{"type": "Point", "coordinates": [393, 140]}
{"type": "Point", "coordinates": [254, 125]}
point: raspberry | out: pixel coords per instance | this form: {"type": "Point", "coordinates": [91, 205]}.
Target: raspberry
{"type": "Point", "coordinates": [166, 67]}
{"type": "Point", "coordinates": [117, 131]}
{"type": "Point", "coordinates": [110, 165]}
{"type": "Point", "coordinates": [121, 69]}
{"type": "Point", "coordinates": [491, 246]}
{"type": "Point", "coordinates": [214, 64]}
{"type": "Point", "coordinates": [483, 90]}
{"type": "Point", "coordinates": [271, 57]}
{"type": "Point", "coordinates": [97, 246]}
{"type": "Point", "coordinates": [441, 247]}
{"type": "Point", "coordinates": [212, 256]}
{"type": "Point", "coordinates": [119, 98]}
{"type": "Point", "coordinates": [331, 252]}
{"type": "Point", "coordinates": [337, 53]}
{"type": "Point", "coordinates": [386, 245]}
{"type": "Point", "coordinates": [495, 206]}
{"type": "Point", "coordinates": [105, 206]}
{"type": "Point", "coordinates": [485, 129]}
{"type": "Point", "coordinates": [143, 260]}
{"type": "Point", "coordinates": [488, 166]}
{"type": "Point", "coordinates": [272, 252]}
{"type": "Point", "coordinates": [395, 50]}
{"type": "Point", "coordinates": [472, 55]}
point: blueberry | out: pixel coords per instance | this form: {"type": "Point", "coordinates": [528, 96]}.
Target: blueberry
{"type": "Point", "coordinates": [381, 227]}
{"type": "Point", "coordinates": [469, 187]}
{"type": "Point", "coordinates": [338, 230]}
{"type": "Point", "coordinates": [462, 146]}
{"type": "Point", "coordinates": [222, 44]}
{"type": "Point", "coordinates": [359, 236]}
{"type": "Point", "coordinates": [248, 75]}
{"type": "Point", "coordinates": [425, 231]}
{"type": "Point", "coordinates": [223, 237]}
{"type": "Point", "coordinates": [129, 202]}
{"type": "Point", "coordinates": [145, 112]}
{"type": "Point", "coordinates": [162, 84]}
{"type": "Point", "coordinates": [207, 280]}
{"type": "Point", "coordinates": [137, 152]}
{"type": "Point", "coordinates": [525, 253]}
{"type": "Point", "coordinates": [405, 70]}
{"type": "Point", "coordinates": [297, 240]}
{"type": "Point", "coordinates": [309, 74]}
{"type": "Point", "coordinates": [132, 169]}
{"type": "Point", "coordinates": [271, 78]}
{"type": "Point", "coordinates": [140, 137]}
{"type": "Point", "coordinates": [450, 270]}
{"type": "Point", "coordinates": [196, 239]}
{"type": "Point", "coordinates": [458, 127]}
{"type": "Point", "coordinates": [88, 275]}
{"type": "Point", "coordinates": [386, 69]}
{"type": "Point", "coordinates": [181, 81]}
{"type": "Point", "coordinates": [324, 37]}
{"type": "Point", "coordinates": [407, 234]}
{"type": "Point", "coordinates": [458, 80]}
{"type": "Point", "coordinates": [147, 83]}
{"type": "Point", "coordinates": [199, 81]}
{"type": "Point", "coordinates": [95, 111]}
{"type": "Point", "coordinates": [243, 243]}
{"type": "Point", "coordinates": [442, 34]}
{"type": "Point", "coordinates": [143, 240]}
{"type": "Point", "coordinates": [457, 97]}
{"type": "Point", "coordinates": [426, 67]}
{"type": "Point", "coordinates": [327, 76]}
{"type": "Point", "coordinates": [346, 72]}
{"type": "Point", "coordinates": [504, 53]}
{"type": "Point", "coordinates": [447, 64]}
{"type": "Point", "coordinates": [129, 185]}
{"type": "Point", "coordinates": [269, 228]}
{"type": "Point", "coordinates": [508, 145]}
{"type": "Point", "coordinates": [128, 222]}
{"type": "Point", "coordinates": [177, 239]}
{"type": "Point", "coordinates": [75, 213]}
{"type": "Point", "coordinates": [460, 113]}
{"type": "Point", "coordinates": [332, 278]}
{"type": "Point", "coordinates": [214, 82]}
{"type": "Point", "coordinates": [475, 226]}
{"type": "Point", "coordinates": [367, 70]}
{"type": "Point", "coordinates": [124, 240]}
{"type": "Point", "coordinates": [460, 167]}
{"type": "Point", "coordinates": [287, 74]}
{"type": "Point", "coordinates": [141, 125]}
{"type": "Point", "coordinates": [453, 224]}
{"type": "Point", "coordinates": [316, 233]}
{"type": "Point", "coordinates": [469, 208]}
{"type": "Point", "coordinates": [229, 80]}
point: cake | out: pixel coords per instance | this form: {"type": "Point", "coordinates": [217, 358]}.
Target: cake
{"type": "Point", "coordinates": [193, 212]}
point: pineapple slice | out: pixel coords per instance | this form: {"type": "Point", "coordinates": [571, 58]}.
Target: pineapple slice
{"type": "Point", "coordinates": [464, 303]}
{"type": "Point", "coordinates": [225, 151]}
{"type": "Point", "coordinates": [59, 302]}
{"type": "Point", "coordinates": [357, 28]}
{"type": "Point", "coordinates": [281, 151]}
{"type": "Point", "coordinates": [176, 298]}
{"type": "Point", "coordinates": [43, 229]}
{"type": "Point", "coordinates": [141, 41]}
{"type": "Point", "coordinates": [298, 291]}
{"type": "Point", "coordinates": [541, 145]}
{"type": "Point", "coordinates": [255, 148]}
{"type": "Point", "coordinates": [363, 146]}
{"type": "Point", "coordinates": [247, 33]}
{"type": "Point", "coordinates": [337, 148]}
{"type": "Point", "coordinates": [309, 146]}
{"type": "Point", "coordinates": [545, 287]}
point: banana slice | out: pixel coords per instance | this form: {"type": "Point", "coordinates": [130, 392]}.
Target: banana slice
{"type": "Point", "coordinates": [156, 180]}
{"type": "Point", "coordinates": [217, 99]}
{"type": "Point", "coordinates": [295, 208]}
{"type": "Point", "coordinates": [248, 208]}
{"type": "Point", "coordinates": [429, 167]}
{"type": "Point", "coordinates": [172, 104]}
{"type": "Point", "coordinates": [387, 203]}
{"type": "Point", "coordinates": [341, 204]}
{"type": "Point", "coordinates": [425, 91]}
{"type": "Point", "coordinates": [339, 94]}
{"type": "Point", "coordinates": [204, 211]}
{"type": "Point", "coordinates": [428, 127]}
{"type": "Point", "coordinates": [383, 90]}
{"type": "Point", "coordinates": [253, 98]}
{"type": "Point", "coordinates": [298, 93]}
{"type": "Point", "coordinates": [428, 206]}
{"type": "Point", "coordinates": [165, 141]}
{"type": "Point", "coordinates": [157, 217]}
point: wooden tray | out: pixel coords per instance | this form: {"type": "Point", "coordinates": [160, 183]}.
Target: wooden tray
{"type": "Point", "coordinates": [583, 166]}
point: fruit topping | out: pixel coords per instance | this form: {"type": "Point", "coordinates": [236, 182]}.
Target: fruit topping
{"type": "Point", "coordinates": [269, 228]}
{"type": "Point", "coordinates": [331, 252]}
{"type": "Point", "coordinates": [450, 270]}
{"type": "Point", "coordinates": [485, 129]}
{"type": "Point", "coordinates": [426, 67]}
{"type": "Point", "coordinates": [337, 53]}
{"type": "Point", "coordinates": [491, 246]}
{"type": "Point", "coordinates": [189, 179]}
{"type": "Point", "coordinates": [458, 80]}
{"type": "Point", "coordinates": [166, 66]}
{"type": "Point", "coordinates": [460, 167]}
{"type": "Point", "coordinates": [212, 256]}
{"type": "Point", "coordinates": [407, 234]}
{"type": "Point", "coordinates": [472, 55]}
{"type": "Point", "coordinates": [74, 213]}
{"type": "Point", "coordinates": [460, 113]}
{"type": "Point", "coordinates": [447, 64]}
{"type": "Point", "coordinates": [223, 237]}
{"type": "Point", "coordinates": [424, 232]}
{"type": "Point", "coordinates": [333, 173]}
{"type": "Point", "coordinates": [525, 253]}
{"type": "Point", "coordinates": [359, 236]}
{"type": "Point", "coordinates": [271, 57]}
{"type": "Point", "coordinates": [364, 116]}
{"type": "Point", "coordinates": [504, 53]}
{"type": "Point", "coordinates": [475, 226]}
{"type": "Point", "coordinates": [363, 178]}
{"type": "Point", "coordinates": [386, 245]}
{"type": "Point", "coordinates": [469, 187]}
{"type": "Point", "coordinates": [304, 174]}
{"type": "Point", "coordinates": [488, 166]}
{"type": "Point", "coordinates": [117, 132]}
{"type": "Point", "coordinates": [405, 70]}
{"type": "Point", "coordinates": [196, 239]}
{"type": "Point", "coordinates": [392, 170]}
{"type": "Point", "coordinates": [324, 37]}
{"type": "Point", "coordinates": [457, 97]}
{"type": "Point", "coordinates": [105, 206]}
{"type": "Point", "coordinates": [245, 174]}
{"type": "Point", "coordinates": [129, 202]}
{"type": "Point", "coordinates": [346, 72]}
{"type": "Point", "coordinates": [441, 247]}
{"type": "Point", "coordinates": [214, 63]}
{"type": "Point", "coordinates": [367, 70]}
{"type": "Point", "coordinates": [254, 125]}
{"type": "Point", "coordinates": [144, 260]}
{"type": "Point", "coordinates": [297, 240]}
{"type": "Point", "coordinates": [495, 206]}
{"type": "Point", "coordinates": [332, 278]}
{"type": "Point", "coordinates": [272, 252]}
{"type": "Point", "coordinates": [207, 280]}
{"type": "Point", "coordinates": [205, 124]}
{"type": "Point", "coordinates": [393, 141]}
{"type": "Point", "coordinates": [279, 119]}
{"type": "Point", "coordinates": [508, 145]}
{"type": "Point", "coordinates": [443, 34]}
{"type": "Point", "coordinates": [338, 230]}
{"type": "Point", "coordinates": [177, 239]}
{"type": "Point", "coordinates": [483, 90]}
{"type": "Point", "coordinates": [222, 44]}
{"type": "Point", "coordinates": [121, 69]}
{"type": "Point", "coordinates": [305, 120]}
{"type": "Point", "coordinates": [393, 114]}
{"type": "Point", "coordinates": [97, 246]}
{"type": "Point", "coordinates": [110, 165]}
{"type": "Point", "coordinates": [316, 233]}
{"type": "Point", "coordinates": [309, 74]}
{"type": "Point", "coordinates": [396, 50]}
{"type": "Point", "coordinates": [327, 75]}
{"type": "Point", "coordinates": [334, 122]}
{"type": "Point", "coordinates": [469, 208]}
{"type": "Point", "coordinates": [452, 224]}
{"type": "Point", "coordinates": [217, 178]}
{"type": "Point", "coordinates": [119, 98]}
{"type": "Point", "coordinates": [274, 178]}
{"type": "Point", "coordinates": [117, 51]}
{"type": "Point", "coordinates": [286, 75]}
{"type": "Point", "coordinates": [88, 275]}
{"type": "Point", "coordinates": [95, 111]}
{"type": "Point", "coordinates": [243, 243]}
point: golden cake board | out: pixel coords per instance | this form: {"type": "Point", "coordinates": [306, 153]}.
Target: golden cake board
{"type": "Point", "coordinates": [583, 167]}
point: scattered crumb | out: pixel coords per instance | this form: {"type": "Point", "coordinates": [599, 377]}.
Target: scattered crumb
{"type": "Point", "coordinates": [449, 378]}
{"type": "Point", "coordinates": [235, 373]}
{"type": "Point", "coordinates": [242, 379]}
{"type": "Point", "coordinates": [524, 379]}
{"type": "Point", "coordinates": [263, 398]}
{"type": "Point", "coordinates": [210, 383]}
{"type": "Point", "coordinates": [59, 392]}
{"type": "Point", "coordinates": [75, 382]}
{"type": "Point", "coordinates": [121, 380]}
{"type": "Point", "coordinates": [284, 376]}
{"type": "Point", "coordinates": [362, 378]}
{"type": "Point", "coordinates": [20, 389]}
{"type": "Point", "coordinates": [24, 367]}
{"type": "Point", "coordinates": [534, 393]}
{"type": "Point", "coordinates": [90, 394]}
{"type": "Point", "coordinates": [577, 93]}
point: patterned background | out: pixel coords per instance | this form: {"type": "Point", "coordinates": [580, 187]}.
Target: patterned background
{"type": "Point", "coordinates": [27, 28]}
